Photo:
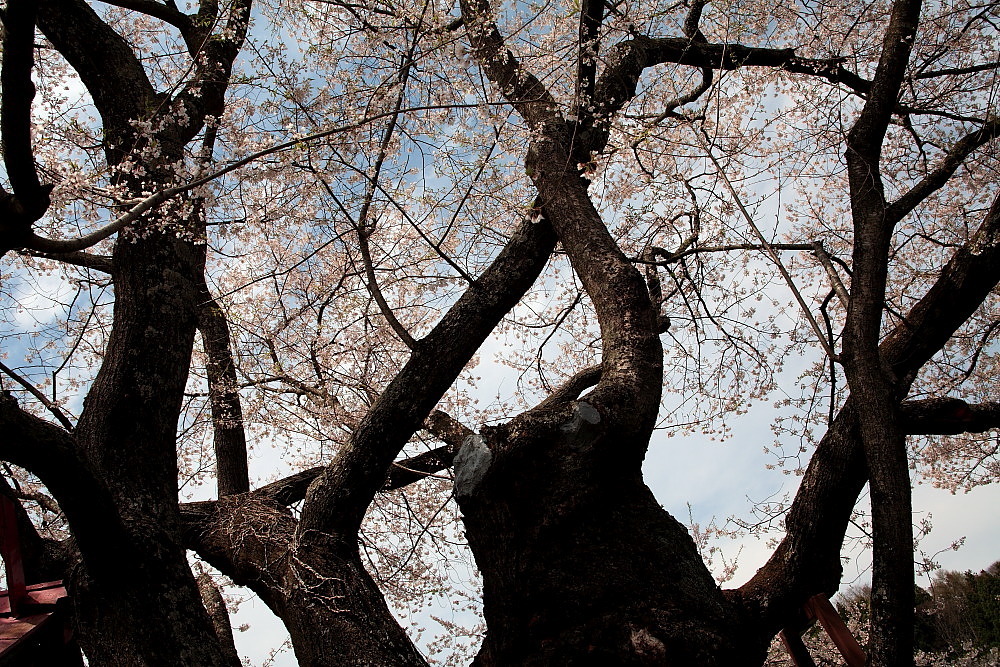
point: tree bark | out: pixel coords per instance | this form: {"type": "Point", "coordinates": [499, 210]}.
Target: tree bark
{"type": "Point", "coordinates": [135, 599]}
{"type": "Point", "coordinates": [871, 379]}
{"type": "Point", "coordinates": [231, 467]}
{"type": "Point", "coordinates": [215, 604]}
{"type": "Point", "coordinates": [580, 563]}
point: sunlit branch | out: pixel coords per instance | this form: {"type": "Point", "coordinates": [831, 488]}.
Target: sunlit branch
{"type": "Point", "coordinates": [838, 286]}
{"type": "Point", "coordinates": [43, 500]}
{"type": "Point", "coordinates": [447, 429]}
{"type": "Point", "coordinates": [572, 388]}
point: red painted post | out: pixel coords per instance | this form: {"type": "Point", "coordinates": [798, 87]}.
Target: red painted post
{"type": "Point", "coordinates": [820, 608]}
{"type": "Point", "coordinates": [10, 549]}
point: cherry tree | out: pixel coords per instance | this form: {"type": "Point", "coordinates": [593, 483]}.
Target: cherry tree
{"type": "Point", "coordinates": [296, 225]}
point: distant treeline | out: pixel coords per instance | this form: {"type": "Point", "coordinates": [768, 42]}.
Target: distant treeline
{"type": "Point", "coordinates": [957, 615]}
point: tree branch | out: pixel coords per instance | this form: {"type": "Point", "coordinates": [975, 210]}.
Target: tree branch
{"type": "Point", "coordinates": [15, 105]}
{"type": "Point", "coordinates": [520, 88]}
{"type": "Point", "coordinates": [447, 429]}
{"type": "Point", "coordinates": [50, 453]}
{"type": "Point", "coordinates": [958, 71]}
{"type": "Point", "coordinates": [944, 170]}
{"type": "Point", "coordinates": [215, 605]}
{"type": "Point", "coordinates": [232, 472]}
{"type": "Point", "coordinates": [591, 18]}
{"type": "Point", "coordinates": [292, 489]}
{"type": "Point", "coordinates": [339, 498]}
{"type": "Point", "coordinates": [214, 50]}
{"type": "Point", "coordinates": [140, 207]}
{"type": "Point", "coordinates": [29, 199]}
{"type": "Point", "coordinates": [102, 263]}
{"type": "Point", "coordinates": [40, 397]}
{"type": "Point", "coordinates": [808, 559]}
{"type": "Point", "coordinates": [106, 65]}
{"type": "Point", "coordinates": [877, 391]}
{"type": "Point", "coordinates": [948, 416]}
{"type": "Point", "coordinates": [168, 13]}
{"type": "Point", "coordinates": [627, 60]}
{"type": "Point", "coordinates": [572, 388]}
{"type": "Point", "coordinates": [246, 537]}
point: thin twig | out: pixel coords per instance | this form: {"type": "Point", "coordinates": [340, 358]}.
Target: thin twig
{"type": "Point", "coordinates": [768, 247]}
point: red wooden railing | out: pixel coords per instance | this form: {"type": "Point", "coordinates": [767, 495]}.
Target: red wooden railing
{"type": "Point", "coordinates": [32, 628]}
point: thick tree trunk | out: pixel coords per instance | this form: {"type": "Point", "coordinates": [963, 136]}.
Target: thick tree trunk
{"type": "Point", "coordinates": [136, 600]}
{"type": "Point", "coordinates": [580, 564]}
{"type": "Point", "coordinates": [141, 606]}
{"type": "Point", "coordinates": [151, 619]}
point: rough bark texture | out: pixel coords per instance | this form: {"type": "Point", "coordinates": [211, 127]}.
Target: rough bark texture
{"type": "Point", "coordinates": [580, 564]}
{"type": "Point", "coordinates": [215, 604]}
{"type": "Point", "coordinates": [231, 468]}
{"type": "Point", "coordinates": [135, 599]}
{"type": "Point", "coordinates": [871, 379]}
{"type": "Point", "coordinates": [310, 571]}
{"type": "Point", "coordinates": [127, 434]}
{"type": "Point", "coordinates": [335, 613]}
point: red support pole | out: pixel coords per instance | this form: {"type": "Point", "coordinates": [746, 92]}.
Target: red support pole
{"type": "Point", "coordinates": [820, 608]}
